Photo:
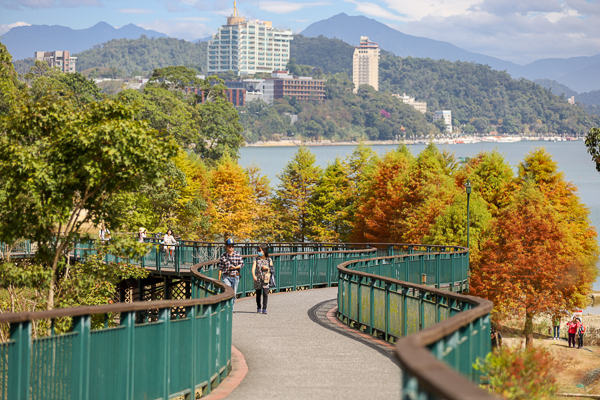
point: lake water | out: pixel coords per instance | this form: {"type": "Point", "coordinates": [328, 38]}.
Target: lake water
{"type": "Point", "coordinates": [572, 159]}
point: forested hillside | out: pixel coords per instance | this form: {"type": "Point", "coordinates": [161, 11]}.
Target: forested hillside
{"type": "Point", "coordinates": [370, 115]}
{"type": "Point", "coordinates": [479, 96]}
{"type": "Point", "coordinates": [481, 99]}
{"type": "Point", "coordinates": [143, 55]}
{"type": "Point", "coordinates": [330, 55]}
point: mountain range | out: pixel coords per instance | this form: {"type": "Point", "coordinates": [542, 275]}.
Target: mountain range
{"type": "Point", "coordinates": [23, 41]}
{"type": "Point", "coordinates": [581, 74]}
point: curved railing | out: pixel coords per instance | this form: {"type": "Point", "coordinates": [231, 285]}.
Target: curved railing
{"type": "Point", "coordinates": [159, 349]}
{"type": "Point", "coordinates": [378, 290]}
{"type": "Point", "coordinates": [438, 332]}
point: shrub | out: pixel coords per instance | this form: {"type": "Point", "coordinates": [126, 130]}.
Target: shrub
{"type": "Point", "coordinates": [520, 373]}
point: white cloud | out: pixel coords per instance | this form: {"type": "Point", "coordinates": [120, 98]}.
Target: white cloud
{"type": "Point", "coordinates": [376, 10]}
{"type": "Point", "coordinates": [7, 27]}
{"type": "Point", "coordinates": [179, 29]}
{"type": "Point", "coordinates": [135, 11]}
{"type": "Point", "coordinates": [284, 7]}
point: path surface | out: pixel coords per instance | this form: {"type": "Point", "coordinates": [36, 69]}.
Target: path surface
{"type": "Point", "coordinates": [296, 352]}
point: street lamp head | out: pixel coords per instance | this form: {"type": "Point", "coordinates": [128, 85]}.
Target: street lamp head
{"type": "Point", "coordinates": [468, 186]}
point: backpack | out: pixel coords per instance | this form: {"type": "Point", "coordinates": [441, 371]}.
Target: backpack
{"type": "Point", "coordinates": [581, 329]}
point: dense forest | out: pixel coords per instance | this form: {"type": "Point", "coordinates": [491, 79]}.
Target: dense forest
{"type": "Point", "coordinates": [330, 55]}
{"type": "Point", "coordinates": [141, 56]}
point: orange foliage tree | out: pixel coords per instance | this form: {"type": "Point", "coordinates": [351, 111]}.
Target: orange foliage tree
{"type": "Point", "coordinates": [232, 205]}
{"type": "Point", "coordinates": [528, 267]}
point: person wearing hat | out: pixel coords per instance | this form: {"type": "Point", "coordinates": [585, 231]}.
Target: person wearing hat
{"type": "Point", "coordinates": [142, 235]}
{"type": "Point", "coordinates": [230, 264]}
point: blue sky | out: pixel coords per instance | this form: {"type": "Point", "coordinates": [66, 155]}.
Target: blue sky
{"type": "Point", "coordinates": [516, 30]}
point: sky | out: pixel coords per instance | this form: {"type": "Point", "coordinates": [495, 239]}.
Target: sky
{"type": "Point", "coordinates": [520, 31]}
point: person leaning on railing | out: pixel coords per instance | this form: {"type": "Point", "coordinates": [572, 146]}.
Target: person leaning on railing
{"type": "Point", "coordinates": [230, 264]}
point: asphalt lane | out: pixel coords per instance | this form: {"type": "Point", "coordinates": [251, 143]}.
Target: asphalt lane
{"type": "Point", "coordinates": [295, 352]}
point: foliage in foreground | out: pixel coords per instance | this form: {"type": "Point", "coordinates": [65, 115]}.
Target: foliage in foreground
{"type": "Point", "coordinates": [520, 373]}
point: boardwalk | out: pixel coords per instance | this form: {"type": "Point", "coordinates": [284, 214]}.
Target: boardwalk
{"type": "Point", "coordinates": [296, 352]}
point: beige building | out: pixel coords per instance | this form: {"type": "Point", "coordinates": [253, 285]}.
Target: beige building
{"type": "Point", "coordinates": [248, 46]}
{"type": "Point", "coordinates": [446, 116]}
{"type": "Point", "coordinates": [417, 105]}
{"type": "Point", "coordinates": [365, 65]}
{"type": "Point", "coordinates": [60, 59]}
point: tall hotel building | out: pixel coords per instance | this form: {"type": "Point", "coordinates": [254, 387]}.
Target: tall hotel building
{"type": "Point", "coordinates": [248, 46]}
{"type": "Point", "coordinates": [365, 65]}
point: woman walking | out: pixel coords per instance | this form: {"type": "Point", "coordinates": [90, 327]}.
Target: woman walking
{"type": "Point", "coordinates": [261, 273]}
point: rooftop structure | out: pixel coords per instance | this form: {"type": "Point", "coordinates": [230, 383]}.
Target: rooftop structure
{"type": "Point", "coordinates": [248, 46]}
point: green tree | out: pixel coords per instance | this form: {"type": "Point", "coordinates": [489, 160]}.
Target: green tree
{"type": "Point", "coordinates": [592, 141]}
{"type": "Point", "coordinates": [61, 162]}
{"type": "Point", "coordinates": [298, 180]}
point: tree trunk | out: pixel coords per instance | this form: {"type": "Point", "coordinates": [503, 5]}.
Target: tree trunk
{"type": "Point", "coordinates": [528, 329]}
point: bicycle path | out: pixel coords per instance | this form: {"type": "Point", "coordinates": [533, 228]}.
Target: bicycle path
{"type": "Point", "coordinates": [296, 352]}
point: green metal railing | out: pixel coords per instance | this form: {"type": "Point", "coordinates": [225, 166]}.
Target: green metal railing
{"type": "Point", "coordinates": [21, 249]}
{"type": "Point", "coordinates": [184, 350]}
{"type": "Point", "coordinates": [437, 330]}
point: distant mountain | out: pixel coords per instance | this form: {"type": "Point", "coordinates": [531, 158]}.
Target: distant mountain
{"type": "Point", "coordinates": [350, 29]}
{"type": "Point", "coordinates": [23, 41]}
{"type": "Point", "coordinates": [555, 87]}
{"type": "Point", "coordinates": [581, 74]}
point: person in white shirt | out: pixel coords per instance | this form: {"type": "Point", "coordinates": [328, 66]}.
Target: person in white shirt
{"type": "Point", "coordinates": [103, 234]}
{"type": "Point", "coordinates": [169, 242]}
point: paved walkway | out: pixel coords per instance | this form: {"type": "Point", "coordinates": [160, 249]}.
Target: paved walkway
{"type": "Point", "coordinates": [296, 352]}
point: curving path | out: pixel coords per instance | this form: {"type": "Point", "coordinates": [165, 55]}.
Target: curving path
{"type": "Point", "coordinates": [297, 352]}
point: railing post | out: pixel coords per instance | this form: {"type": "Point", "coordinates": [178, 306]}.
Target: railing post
{"type": "Point", "coordinates": [164, 315]}
{"type": "Point", "coordinates": [81, 357]}
{"type": "Point", "coordinates": [372, 307]}
{"type": "Point", "coordinates": [128, 321]}
{"type": "Point", "coordinates": [19, 358]}
{"type": "Point", "coordinates": [295, 273]}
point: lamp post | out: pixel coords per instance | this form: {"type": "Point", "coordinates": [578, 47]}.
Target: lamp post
{"type": "Point", "coordinates": [468, 190]}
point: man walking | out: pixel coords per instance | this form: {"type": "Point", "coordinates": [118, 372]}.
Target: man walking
{"type": "Point", "coordinates": [230, 264]}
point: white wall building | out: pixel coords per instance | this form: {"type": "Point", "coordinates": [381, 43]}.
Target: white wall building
{"type": "Point", "coordinates": [365, 64]}
{"type": "Point", "coordinates": [445, 115]}
{"type": "Point", "coordinates": [248, 46]}
{"type": "Point", "coordinates": [417, 105]}
{"type": "Point", "coordinates": [61, 59]}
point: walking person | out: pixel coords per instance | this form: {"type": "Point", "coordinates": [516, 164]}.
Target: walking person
{"type": "Point", "coordinates": [230, 265]}
{"type": "Point", "coordinates": [572, 327]}
{"type": "Point", "coordinates": [261, 273]}
{"type": "Point", "coordinates": [169, 242]}
{"type": "Point", "coordinates": [556, 326]}
{"type": "Point", "coordinates": [580, 333]}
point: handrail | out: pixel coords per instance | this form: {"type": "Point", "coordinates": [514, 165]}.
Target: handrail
{"type": "Point", "coordinates": [175, 354]}
{"type": "Point", "coordinates": [420, 349]}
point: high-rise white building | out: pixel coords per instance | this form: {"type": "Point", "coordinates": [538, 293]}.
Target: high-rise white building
{"type": "Point", "coordinates": [248, 46]}
{"type": "Point", "coordinates": [365, 64]}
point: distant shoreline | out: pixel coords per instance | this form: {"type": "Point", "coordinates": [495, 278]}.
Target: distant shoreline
{"type": "Point", "coordinates": [467, 140]}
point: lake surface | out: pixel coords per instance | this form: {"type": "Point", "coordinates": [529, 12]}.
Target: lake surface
{"type": "Point", "coordinates": [572, 159]}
